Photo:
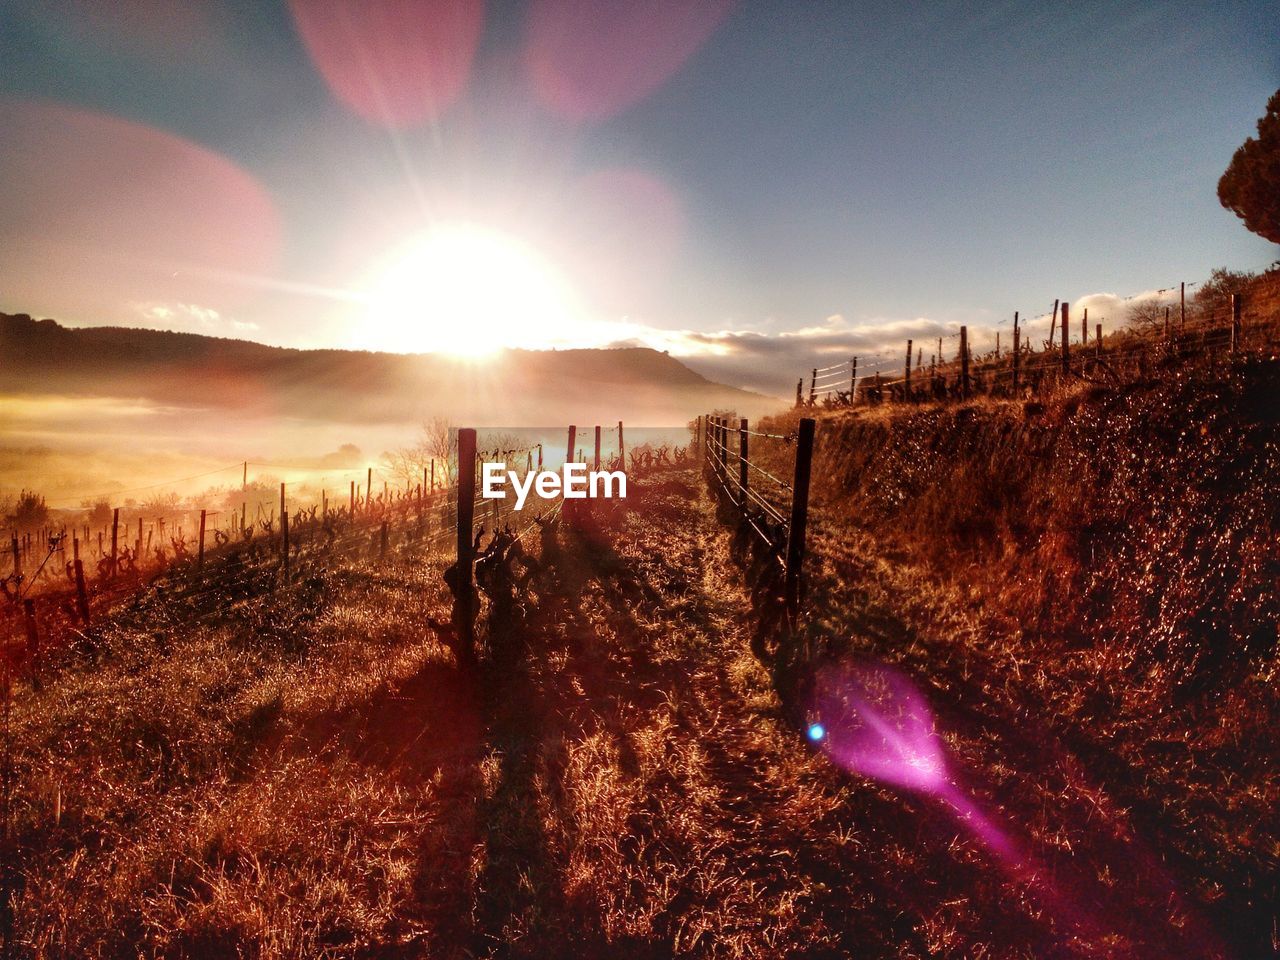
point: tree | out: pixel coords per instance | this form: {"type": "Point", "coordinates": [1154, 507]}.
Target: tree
{"type": "Point", "coordinates": [1250, 188]}
{"type": "Point", "coordinates": [30, 511]}
{"type": "Point", "coordinates": [1213, 297]}
{"type": "Point", "coordinates": [1148, 315]}
{"type": "Point", "coordinates": [438, 442]}
{"type": "Point", "coordinates": [161, 504]}
{"type": "Point", "coordinates": [97, 513]}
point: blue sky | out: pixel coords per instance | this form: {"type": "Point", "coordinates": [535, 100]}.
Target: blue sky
{"type": "Point", "coordinates": [818, 176]}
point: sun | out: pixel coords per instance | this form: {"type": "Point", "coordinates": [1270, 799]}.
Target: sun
{"type": "Point", "coordinates": [465, 290]}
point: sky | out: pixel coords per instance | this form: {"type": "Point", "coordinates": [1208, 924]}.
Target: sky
{"type": "Point", "coordinates": [757, 187]}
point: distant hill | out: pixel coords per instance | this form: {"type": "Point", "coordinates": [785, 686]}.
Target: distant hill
{"type": "Point", "coordinates": [512, 388]}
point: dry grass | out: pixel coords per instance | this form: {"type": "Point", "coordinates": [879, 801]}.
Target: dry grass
{"type": "Point", "coordinates": [1083, 590]}
{"type": "Point", "coordinates": [1086, 587]}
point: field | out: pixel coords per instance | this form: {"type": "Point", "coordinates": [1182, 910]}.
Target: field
{"type": "Point", "coordinates": [1075, 594]}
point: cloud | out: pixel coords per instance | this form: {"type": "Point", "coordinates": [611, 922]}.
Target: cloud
{"type": "Point", "coordinates": [772, 362]}
{"type": "Point", "coordinates": [1116, 311]}
{"type": "Point", "coordinates": [188, 318]}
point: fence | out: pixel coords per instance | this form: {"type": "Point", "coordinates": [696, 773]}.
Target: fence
{"type": "Point", "coordinates": [262, 552]}
{"type": "Point", "coordinates": [1020, 368]}
{"type": "Point", "coordinates": [771, 512]}
{"type": "Point", "coordinates": [491, 570]}
{"type": "Point", "coordinates": [198, 551]}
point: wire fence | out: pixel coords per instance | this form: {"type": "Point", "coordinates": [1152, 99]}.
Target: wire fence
{"type": "Point", "coordinates": [66, 574]}
{"type": "Point", "coordinates": [1044, 347]}
{"type": "Point", "coordinates": [769, 512]}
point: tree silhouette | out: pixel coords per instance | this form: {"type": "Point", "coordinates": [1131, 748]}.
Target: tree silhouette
{"type": "Point", "coordinates": [1250, 188]}
{"type": "Point", "coordinates": [30, 511]}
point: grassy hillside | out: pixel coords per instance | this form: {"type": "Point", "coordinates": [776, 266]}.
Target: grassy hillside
{"type": "Point", "coordinates": [1081, 589]}
{"type": "Point", "coordinates": [1087, 585]}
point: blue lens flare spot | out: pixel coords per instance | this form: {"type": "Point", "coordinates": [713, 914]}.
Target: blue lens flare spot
{"type": "Point", "coordinates": [816, 732]}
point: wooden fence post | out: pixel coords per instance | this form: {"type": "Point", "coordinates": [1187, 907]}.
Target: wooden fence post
{"type": "Point", "coordinates": [742, 459]}
{"type": "Point", "coordinates": [1084, 328]}
{"type": "Point", "coordinates": [368, 488]}
{"type": "Point", "coordinates": [964, 362]}
{"type": "Point", "coordinates": [597, 453]}
{"type": "Point", "coordinates": [1066, 340]}
{"type": "Point", "coordinates": [800, 392]}
{"type": "Point", "coordinates": [906, 374]}
{"type": "Point", "coordinates": [115, 540]}
{"type": "Point", "coordinates": [284, 540]}
{"type": "Point", "coordinates": [1182, 307]}
{"type": "Point", "coordinates": [1097, 340]}
{"type": "Point", "coordinates": [1016, 351]}
{"type": "Point", "coordinates": [33, 634]}
{"type": "Point", "coordinates": [464, 615]}
{"type": "Point", "coordinates": [200, 555]}
{"type": "Point", "coordinates": [82, 596]}
{"type": "Point", "coordinates": [1237, 331]}
{"type": "Point", "coordinates": [1052, 322]}
{"type": "Point", "coordinates": [351, 507]}
{"type": "Point", "coordinates": [724, 449]}
{"type": "Point", "coordinates": [799, 514]}
{"type": "Point", "coordinates": [813, 386]}
{"type": "Point", "coordinates": [568, 457]}
{"type": "Point", "coordinates": [622, 447]}
{"type": "Point", "coordinates": [853, 380]}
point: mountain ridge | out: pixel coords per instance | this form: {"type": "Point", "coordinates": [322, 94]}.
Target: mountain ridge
{"type": "Point", "coordinates": [197, 370]}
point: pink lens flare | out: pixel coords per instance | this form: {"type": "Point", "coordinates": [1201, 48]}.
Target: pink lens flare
{"type": "Point", "coordinates": [591, 59]}
{"type": "Point", "coordinates": [111, 211]}
{"type": "Point", "coordinates": [396, 63]}
{"type": "Point", "coordinates": [871, 720]}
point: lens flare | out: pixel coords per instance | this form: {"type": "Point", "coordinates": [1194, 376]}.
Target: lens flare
{"type": "Point", "coordinates": [590, 60]}
{"type": "Point", "coordinates": [146, 218]}
{"type": "Point", "coordinates": [874, 722]}
{"type": "Point", "coordinates": [393, 62]}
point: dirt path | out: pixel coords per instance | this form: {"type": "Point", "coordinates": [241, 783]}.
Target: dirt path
{"type": "Point", "coordinates": [642, 796]}
{"type": "Point", "coordinates": [645, 797]}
